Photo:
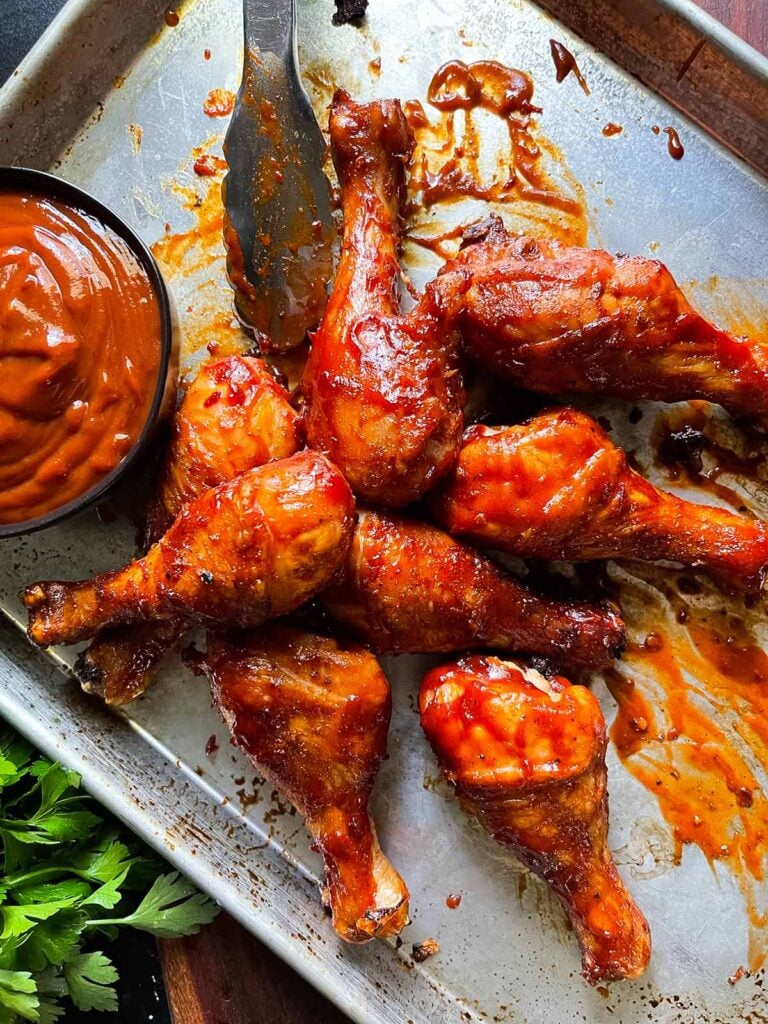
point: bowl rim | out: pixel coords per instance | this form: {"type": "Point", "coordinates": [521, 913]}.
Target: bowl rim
{"type": "Point", "coordinates": [28, 179]}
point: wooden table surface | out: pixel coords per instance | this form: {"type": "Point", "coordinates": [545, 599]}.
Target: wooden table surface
{"type": "Point", "coordinates": [224, 975]}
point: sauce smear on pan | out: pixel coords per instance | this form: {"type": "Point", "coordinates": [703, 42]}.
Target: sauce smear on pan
{"type": "Point", "coordinates": [692, 726]}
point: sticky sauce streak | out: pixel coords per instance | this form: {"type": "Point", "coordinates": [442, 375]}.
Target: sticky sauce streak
{"type": "Point", "coordinates": [692, 727]}
{"type": "Point", "coordinates": [565, 64]}
{"type": "Point", "coordinates": [452, 160]}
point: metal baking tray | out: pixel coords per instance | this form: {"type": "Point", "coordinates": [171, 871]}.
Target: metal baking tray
{"type": "Point", "coordinates": [112, 99]}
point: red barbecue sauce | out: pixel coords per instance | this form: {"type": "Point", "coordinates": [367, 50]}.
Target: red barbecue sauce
{"type": "Point", "coordinates": [79, 353]}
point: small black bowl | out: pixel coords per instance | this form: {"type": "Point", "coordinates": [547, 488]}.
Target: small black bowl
{"type": "Point", "coordinates": [23, 179]}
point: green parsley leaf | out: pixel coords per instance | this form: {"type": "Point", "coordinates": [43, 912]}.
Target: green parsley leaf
{"type": "Point", "coordinates": [19, 919]}
{"type": "Point", "coordinates": [90, 978]}
{"type": "Point", "coordinates": [69, 889]}
{"type": "Point", "coordinates": [18, 994]}
{"type": "Point", "coordinates": [51, 988]}
{"type": "Point", "coordinates": [105, 862]}
{"type": "Point", "coordinates": [63, 863]}
{"type": "Point", "coordinates": [171, 908]}
{"type": "Point", "coordinates": [107, 895]}
{"type": "Point", "coordinates": [54, 940]}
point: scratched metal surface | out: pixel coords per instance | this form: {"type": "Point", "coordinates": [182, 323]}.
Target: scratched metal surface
{"type": "Point", "coordinates": [506, 954]}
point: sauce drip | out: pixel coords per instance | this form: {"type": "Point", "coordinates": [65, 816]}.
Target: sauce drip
{"type": "Point", "coordinates": [674, 145]}
{"type": "Point", "coordinates": [440, 244]}
{"type": "Point", "coordinates": [452, 161]}
{"type": "Point", "coordinates": [79, 353]}
{"type": "Point", "coordinates": [219, 103]}
{"type": "Point", "coordinates": [171, 19]}
{"type": "Point", "coordinates": [612, 129]}
{"type": "Point", "coordinates": [565, 63]}
{"type": "Point", "coordinates": [692, 726]}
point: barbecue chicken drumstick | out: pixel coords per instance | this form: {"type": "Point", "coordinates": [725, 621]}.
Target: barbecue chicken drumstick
{"type": "Point", "coordinates": [312, 716]}
{"type": "Point", "coordinates": [527, 757]}
{"type": "Point", "coordinates": [556, 487]}
{"type": "Point", "coordinates": [410, 588]}
{"type": "Point", "coordinates": [383, 395]}
{"type": "Point", "coordinates": [234, 416]}
{"type": "Point", "coordinates": [251, 549]}
{"type": "Point", "coordinates": [556, 319]}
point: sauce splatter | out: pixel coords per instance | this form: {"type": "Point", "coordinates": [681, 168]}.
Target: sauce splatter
{"type": "Point", "coordinates": [453, 160]}
{"type": "Point", "coordinates": [612, 129]}
{"type": "Point", "coordinates": [453, 900]}
{"type": "Point", "coordinates": [674, 145]}
{"type": "Point", "coordinates": [135, 134]}
{"type": "Point", "coordinates": [206, 54]}
{"type": "Point", "coordinates": [171, 19]}
{"type": "Point", "coordinates": [565, 64]}
{"type": "Point", "coordinates": [207, 165]}
{"type": "Point", "coordinates": [211, 745]}
{"type": "Point", "coordinates": [219, 103]}
{"type": "Point", "coordinates": [193, 262]}
{"type": "Point", "coordinates": [692, 725]}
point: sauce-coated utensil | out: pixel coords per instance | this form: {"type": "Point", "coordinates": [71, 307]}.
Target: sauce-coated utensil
{"type": "Point", "coordinates": [276, 197]}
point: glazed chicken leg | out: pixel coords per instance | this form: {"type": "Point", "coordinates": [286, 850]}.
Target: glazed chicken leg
{"type": "Point", "coordinates": [557, 488]}
{"type": "Point", "coordinates": [382, 391]}
{"type": "Point", "coordinates": [527, 757]}
{"type": "Point", "coordinates": [234, 416]}
{"type": "Point", "coordinates": [312, 716]}
{"type": "Point", "coordinates": [410, 588]}
{"type": "Point", "coordinates": [246, 551]}
{"type": "Point", "coordinates": [557, 319]}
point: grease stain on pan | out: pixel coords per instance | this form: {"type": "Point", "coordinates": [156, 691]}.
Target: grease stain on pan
{"type": "Point", "coordinates": [193, 260]}
{"type": "Point", "coordinates": [692, 723]}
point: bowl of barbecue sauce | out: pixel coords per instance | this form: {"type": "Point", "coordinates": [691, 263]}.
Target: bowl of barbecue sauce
{"type": "Point", "coordinates": [88, 360]}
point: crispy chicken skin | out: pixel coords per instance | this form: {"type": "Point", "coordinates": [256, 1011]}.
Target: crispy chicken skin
{"type": "Point", "coordinates": [251, 549]}
{"type": "Point", "coordinates": [383, 395]}
{"type": "Point", "coordinates": [557, 319]}
{"type": "Point", "coordinates": [410, 588]}
{"type": "Point", "coordinates": [234, 416]}
{"type": "Point", "coordinates": [556, 487]}
{"type": "Point", "coordinates": [527, 757]}
{"type": "Point", "coordinates": [312, 716]}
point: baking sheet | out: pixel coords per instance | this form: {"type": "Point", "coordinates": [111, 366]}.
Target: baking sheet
{"type": "Point", "coordinates": [113, 100]}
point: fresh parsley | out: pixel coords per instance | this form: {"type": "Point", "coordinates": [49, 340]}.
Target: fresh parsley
{"type": "Point", "coordinates": [68, 877]}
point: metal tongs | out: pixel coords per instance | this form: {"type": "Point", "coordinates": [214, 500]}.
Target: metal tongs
{"type": "Point", "coordinates": [276, 196]}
